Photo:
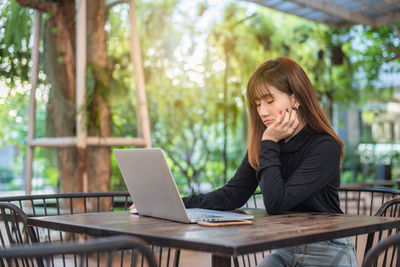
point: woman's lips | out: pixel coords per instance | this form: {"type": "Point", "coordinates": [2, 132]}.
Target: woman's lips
{"type": "Point", "coordinates": [268, 122]}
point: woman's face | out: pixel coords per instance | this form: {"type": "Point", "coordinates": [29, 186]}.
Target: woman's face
{"type": "Point", "coordinates": [269, 105]}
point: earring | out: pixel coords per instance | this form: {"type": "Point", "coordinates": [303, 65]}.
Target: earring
{"type": "Point", "coordinates": [296, 108]}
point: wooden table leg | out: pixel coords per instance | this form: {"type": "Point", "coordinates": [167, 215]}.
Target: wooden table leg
{"type": "Point", "coordinates": [220, 261]}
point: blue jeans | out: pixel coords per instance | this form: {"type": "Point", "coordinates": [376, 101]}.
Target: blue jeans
{"type": "Point", "coordinates": [336, 252]}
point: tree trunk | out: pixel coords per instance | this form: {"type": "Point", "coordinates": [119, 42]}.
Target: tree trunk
{"type": "Point", "coordinates": [225, 146]}
{"type": "Point", "coordinates": [99, 123]}
{"type": "Point", "coordinates": [329, 110]}
{"type": "Point", "coordinates": [245, 127]}
{"type": "Point", "coordinates": [60, 70]}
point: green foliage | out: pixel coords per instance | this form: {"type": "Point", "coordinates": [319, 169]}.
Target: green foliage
{"type": "Point", "coordinates": [374, 50]}
{"type": "Point", "coordinates": [15, 30]}
{"type": "Point", "coordinates": [117, 182]}
{"type": "Point", "coordinates": [45, 167]}
{"type": "Point", "coordinates": [349, 177]}
{"type": "Point", "coordinates": [15, 53]}
{"type": "Point", "coordinates": [6, 175]}
{"type": "Point", "coordinates": [14, 116]}
{"type": "Point", "coordinates": [123, 84]}
{"type": "Point", "coordinates": [98, 83]}
{"type": "Point", "coordinates": [395, 161]}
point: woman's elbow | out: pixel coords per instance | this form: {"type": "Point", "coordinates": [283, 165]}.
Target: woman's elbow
{"type": "Point", "coordinates": [274, 209]}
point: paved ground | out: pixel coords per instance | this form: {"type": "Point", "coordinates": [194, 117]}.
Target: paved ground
{"type": "Point", "coordinates": [194, 259]}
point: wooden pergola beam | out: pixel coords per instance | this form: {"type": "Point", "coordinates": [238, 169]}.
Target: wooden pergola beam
{"type": "Point", "coordinates": [378, 6]}
{"type": "Point", "coordinates": [388, 19]}
{"type": "Point", "coordinates": [53, 142]}
{"type": "Point", "coordinates": [136, 58]}
{"type": "Point", "coordinates": [32, 101]}
{"type": "Point", "coordinates": [117, 141]}
{"type": "Point", "coordinates": [393, 2]}
{"type": "Point", "coordinates": [326, 6]}
{"type": "Point", "coordinates": [81, 58]}
{"type": "Point", "coordinates": [346, 16]}
{"type": "Point", "coordinates": [90, 141]}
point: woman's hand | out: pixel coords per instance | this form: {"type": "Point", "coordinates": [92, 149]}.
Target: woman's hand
{"type": "Point", "coordinates": [284, 126]}
{"type": "Point", "coordinates": [132, 209]}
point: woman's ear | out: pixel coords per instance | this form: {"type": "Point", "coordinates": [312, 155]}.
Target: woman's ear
{"type": "Point", "coordinates": [294, 101]}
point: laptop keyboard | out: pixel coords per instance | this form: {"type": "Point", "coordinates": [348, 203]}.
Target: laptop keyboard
{"type": "Point", "coordinates": [200, 216]}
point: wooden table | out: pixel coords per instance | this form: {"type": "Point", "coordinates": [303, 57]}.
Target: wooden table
{"type": "Point", "coordinates": [267, 232]}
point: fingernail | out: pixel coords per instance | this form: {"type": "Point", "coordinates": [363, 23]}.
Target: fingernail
{"type": "Point", "coordinates": [287, 110]}
{"type": "Point", "coordinates": [280, 112]}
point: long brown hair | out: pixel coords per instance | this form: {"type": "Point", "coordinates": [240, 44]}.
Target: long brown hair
{"type": "Point", "coordinates": [287, 76]}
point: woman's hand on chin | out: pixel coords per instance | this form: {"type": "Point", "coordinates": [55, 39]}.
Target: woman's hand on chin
{"type": "Point", "coordinates": [284, 127]}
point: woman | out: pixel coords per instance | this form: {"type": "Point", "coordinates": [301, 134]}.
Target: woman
{"type": "Point", "coordinates": [293, 155]}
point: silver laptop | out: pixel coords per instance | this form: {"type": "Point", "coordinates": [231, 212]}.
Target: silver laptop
{"type": "Point", "coordinates": [153, 190]}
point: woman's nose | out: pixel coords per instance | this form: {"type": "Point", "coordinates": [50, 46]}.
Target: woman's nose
{"type": "Point", "coordinates": [263, 111]}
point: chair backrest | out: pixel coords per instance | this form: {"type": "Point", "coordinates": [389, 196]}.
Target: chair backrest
{"type": "Point", "coordinates": [385, 253]}
{"type": "Point", "coordinates": [365, 201]}
{"type": "Point", "coordinates": [67, 203]}
{"type": "Point", "coordinates": [70, 203]}
{"type": "Point", "coordinates": [13, 226]}
{"type": "Point", "coordinates": [109, 249]}
{"type": "Point", "coordinates": [353, 200]}
{"type": "Point", "coordinates": [391, 208]}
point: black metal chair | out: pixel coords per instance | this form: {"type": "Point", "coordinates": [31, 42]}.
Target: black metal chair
{"type": "Point", "coordinates": [108, 250]}
{"type": "Point", "coordinates": [364, 201]}
{"type": "Point", "coordinates": [385, 253]}
{"type": "Point", "coordinates": [14, 228]}
{"type": "Point", "coordinates": [353, 200]}
{"type": "Point", "coordinates": [390, 208]}
{"type": "Point", "coordinates": [69, 203]}
{"type": "Point", "coordinates": [73, 203]}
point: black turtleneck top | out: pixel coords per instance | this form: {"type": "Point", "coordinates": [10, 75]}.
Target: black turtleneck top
{"type": "Point", "coordinates": [301, 175]}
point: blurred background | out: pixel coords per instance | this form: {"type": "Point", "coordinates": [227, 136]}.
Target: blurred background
{"type": "Point", "coordinates": [197, 57]}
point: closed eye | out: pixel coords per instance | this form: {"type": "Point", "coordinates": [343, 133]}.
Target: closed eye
{"type": "Point", "coordinates": [267, 99]}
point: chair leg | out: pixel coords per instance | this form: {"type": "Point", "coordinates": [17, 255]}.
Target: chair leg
{"type": "Point", "coordinates": [235, 262]}
{"type": "Point", "coordinates": [176, 257]}
{"type": "Point", "coordinates": [370, 240]}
